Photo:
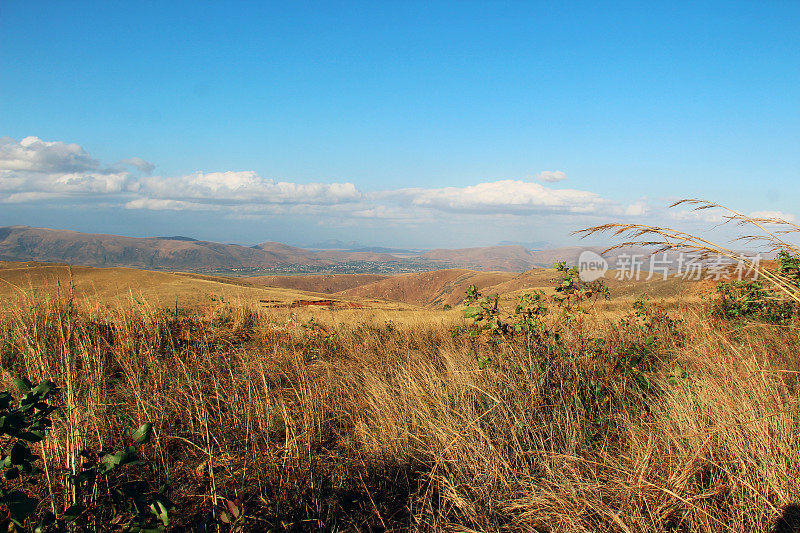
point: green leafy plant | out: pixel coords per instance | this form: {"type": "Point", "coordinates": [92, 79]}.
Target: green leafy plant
{"type": "Point", "coordinates": [789, 266]}
{"type": "Point", "coordinates": [24, 422]}
{"type": "Point", "coordinates": [572, 292]}
{"type": "Point", "coordinates": [486, 315]}
{"type": "Point", "coordinates": [654, 318]}
{"type": "Point", "coordinates": [329, 340]}
{"type": "Point", "coordinates": [747, 299]}
{"type": "Point", "coordinates": [137, 508]}
{"type": "Point", "coordinates": [634, 357]}
{"type": "Point", "coordinates": [232, 515]}
{"type": "Point", "coordinates": [679, 376]}
{"type": "Point", "coordinates": [759, 299]}
{"type": "Point", "coordinates": [526, 321]}
{"type": "Point", "coordinates": [528, 312]}
{"type": "Point", "coordinates": [483, 310]}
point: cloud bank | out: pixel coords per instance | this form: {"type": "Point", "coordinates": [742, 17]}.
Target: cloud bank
{"type": "Point", "coordinates": [244, 188]}
{"type": "Point", "coordinates": [31, 154]}
{"type": "Point", "coordinates": [502, 197]}
{"type": "Point", "coordinates": [33, 170]}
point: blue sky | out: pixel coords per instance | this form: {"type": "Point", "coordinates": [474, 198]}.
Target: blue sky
{"type": "Point", "coordinates": [395, 123]}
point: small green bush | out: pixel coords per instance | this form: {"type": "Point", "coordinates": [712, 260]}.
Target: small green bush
{"type": "Point", "coordinates": [759, 300]}
{"type": "Point", "coordinates": [24, 422]}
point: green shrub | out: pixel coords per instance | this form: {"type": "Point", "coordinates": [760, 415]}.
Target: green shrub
{"type": "Point", "coordinates": [24, 422]}
{"type": "Point", "coordinates": [757, 299]}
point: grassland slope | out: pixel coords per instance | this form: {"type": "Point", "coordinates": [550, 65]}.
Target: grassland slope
{"type": "Point", "coordinates": [448, 286]}
{"type": "Point", "coordinates": [435, 288]}
{"type": "Point", "coordinates": [26, 280]}
{"type": "Point", "coordinates": [324, 283]}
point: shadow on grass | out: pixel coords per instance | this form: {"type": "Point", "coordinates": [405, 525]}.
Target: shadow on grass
{"type": "Point", "coordinates": [789, 522]}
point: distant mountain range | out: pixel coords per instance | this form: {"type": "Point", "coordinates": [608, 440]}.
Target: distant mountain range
{"type": "Point", "coordinates": [178, 253]}
{"type": "Point", "coordinates": [162, 253]}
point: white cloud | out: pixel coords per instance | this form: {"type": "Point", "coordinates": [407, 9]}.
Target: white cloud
{"type": "Point", "coordinates": [156, 204]}
{"type": "Point", "coordinates": [35, 155]}
{"type": "Point", "coordinates": [718, 216]}
{"type": "Point", "coordinates": [62, 183]}
{"type": "Point", "coordinates": [32, 169]}
{"type": "Point", "coordinates": [35, 170]}
{"type": "Point", "coordinates": [245, 187]}
{"type": "Point", "coordinates": [395, 213]}
{"type": "Point", "coordinates": [502, 197]}
{"type": "Point", "coordinates": [23, 197]}
{"type": "Point", "coordinates": [246, 192]}
{"type": "Point", "coordinates": [706, 216]}
{"type": "Point", "coordinates": [551, 176]}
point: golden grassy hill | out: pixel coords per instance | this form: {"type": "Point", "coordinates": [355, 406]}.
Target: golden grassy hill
{"type": "Point", "coordinates": [449, 286]}
{"type": "Point", "coordinates": [432, 289]}
{"type": "Point", "coordinates": [545, 279]}
{"type": "Point", "coordinates": [20, 280]}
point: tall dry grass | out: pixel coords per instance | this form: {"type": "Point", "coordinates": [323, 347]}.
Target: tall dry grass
{"type": "Point", "coordinates": [768, 234]}
{"type": "Point", "coordinates": [367, 423]}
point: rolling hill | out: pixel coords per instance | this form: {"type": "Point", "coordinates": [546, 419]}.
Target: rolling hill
{"type": "Point", "coordinates": [288, 254]}
{"type": "Point", "coordinates": [516, 258]}
{"type": "Point", "coordinates": [39, 244]}
{"type": "Point", "coordinates": [433, 289]}
{"type": "Point", "coordinates": [22, 243]}
{"type": "Point", "coordinates": [436, 288]}
{"type": "Point", "coordinates": [35, 281]}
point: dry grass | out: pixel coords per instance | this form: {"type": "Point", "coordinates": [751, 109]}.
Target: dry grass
{"type": "Point", "coordinates": [19, 282]}
{"type": "Point", "coordinates": [381, 420]}
{"type": "Point", "coordinates": [769, 234]}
